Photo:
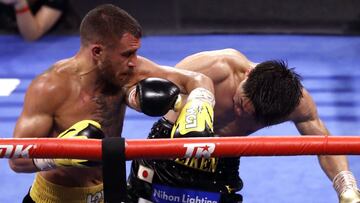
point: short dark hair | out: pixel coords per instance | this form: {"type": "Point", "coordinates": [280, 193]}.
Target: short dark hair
{"type": "Point", "coordinates": [274, 90]}
{"type": "Point", "coordinates": [106, 23]}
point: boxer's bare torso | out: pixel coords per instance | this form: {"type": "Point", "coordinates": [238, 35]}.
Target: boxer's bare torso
{"type": "Point", "coordinates": [74, 96]}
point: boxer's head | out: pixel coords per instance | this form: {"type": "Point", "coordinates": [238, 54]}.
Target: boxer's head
{"type": "Point", "coordinates": [113, 38]}
{"type": "Point", "coordinates": [270, 92]}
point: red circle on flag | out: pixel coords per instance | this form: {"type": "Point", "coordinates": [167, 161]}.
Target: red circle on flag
{"type": "Point", "coordinates": [145, 174]}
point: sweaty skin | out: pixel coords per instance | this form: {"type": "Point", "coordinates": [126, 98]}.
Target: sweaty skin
{"type": "Point", "coordinates": [91, 85]}
{"type": "Point", "coordinates": [228, 69]}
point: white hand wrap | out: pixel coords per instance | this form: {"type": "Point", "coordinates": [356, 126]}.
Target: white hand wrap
{"type": "Point", "coordinates": [131, 100]}
{"type": "Point", "coordinates": [203, 95]}
{"type": "Point", "coordinates": [44, 164]}
{"type": "Point", "coordinates": [343, 181]}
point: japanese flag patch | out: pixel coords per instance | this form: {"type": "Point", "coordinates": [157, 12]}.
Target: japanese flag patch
{"type": "Point", "coordinates": [145, 174]}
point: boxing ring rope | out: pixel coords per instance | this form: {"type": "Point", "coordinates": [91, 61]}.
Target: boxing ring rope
{"type": "Point", "coordinates": [115, 151]}
{"type": "Point", "coordinates": [183, 147]}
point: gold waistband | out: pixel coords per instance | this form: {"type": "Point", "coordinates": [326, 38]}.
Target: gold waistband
{"type": "Point", "coordinates": [43, 191]}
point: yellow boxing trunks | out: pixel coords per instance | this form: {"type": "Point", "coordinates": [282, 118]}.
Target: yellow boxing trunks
{"type": "Point", "coordinates": [43, 191]}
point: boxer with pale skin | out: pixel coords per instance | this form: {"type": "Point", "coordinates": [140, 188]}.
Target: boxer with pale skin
{"type": "Point", "coordinates": [249, 97]}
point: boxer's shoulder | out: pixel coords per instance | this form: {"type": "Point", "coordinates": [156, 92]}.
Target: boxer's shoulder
{"type": "Point", "coordinates": [50, 86]}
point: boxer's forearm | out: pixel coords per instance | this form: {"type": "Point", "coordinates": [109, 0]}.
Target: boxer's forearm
{"type": "Point", "coordinates": [23, 165]}
{"type": "Point", "coordinates": [332, 165]}
{"type": "Point", "coordinates": [344, 182]}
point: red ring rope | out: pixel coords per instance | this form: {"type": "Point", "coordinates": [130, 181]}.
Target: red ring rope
{"type": "Point", "coordinates": [183, 147]}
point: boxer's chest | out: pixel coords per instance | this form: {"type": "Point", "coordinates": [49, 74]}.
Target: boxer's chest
{"type": "Point", "coordinates": [107, 109]}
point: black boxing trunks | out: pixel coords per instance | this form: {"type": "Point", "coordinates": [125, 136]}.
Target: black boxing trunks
{"type": "Point", "coordinates": [213, 180]}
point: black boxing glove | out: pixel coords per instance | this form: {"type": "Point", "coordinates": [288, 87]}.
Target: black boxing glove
{"type": "Point", "coordinates": [157, 96]}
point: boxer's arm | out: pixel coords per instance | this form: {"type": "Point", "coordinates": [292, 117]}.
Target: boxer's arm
{"type": "Point", "coordinates": [85, 129]}
{"type": "Point", "coordinates": [331, 165]}
{"type": "Point", "coordinates": [184, 79]}
{"type": "Point", "coordinates": [200, 89]}
{"type": "Point", "coordinates": [335, 167]}
{"type": "Point", "coordinates": [308, 122]}
{"type": "Point", "coordinates": [198, 106]}
{"type": "Point", "coordinates": [36, 119]}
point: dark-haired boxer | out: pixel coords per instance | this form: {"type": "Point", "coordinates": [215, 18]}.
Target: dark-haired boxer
{"type": "Point", "coordinates": [248, 97]}
{"type": "Point", "coordinates": [92, 85]}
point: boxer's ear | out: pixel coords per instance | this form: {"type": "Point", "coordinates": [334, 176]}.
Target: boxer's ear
{"type": "Point", "coordinates": [97, 51]}
{"type": "Point", "coordinates": [247, 72]}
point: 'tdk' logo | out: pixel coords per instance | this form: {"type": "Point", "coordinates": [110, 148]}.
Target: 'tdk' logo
{"type": "Point", "coordinates": [15, 151]}
{"type": "Point", "coordinates": [199, 150]}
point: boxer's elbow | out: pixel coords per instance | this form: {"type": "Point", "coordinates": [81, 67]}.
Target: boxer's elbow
{"type": "Point", "coordinates": [204, 81]}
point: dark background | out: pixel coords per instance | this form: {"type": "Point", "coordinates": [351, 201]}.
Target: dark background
{"type": "Point", "coordinates": [228, 16]}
